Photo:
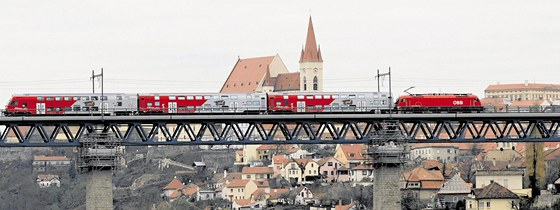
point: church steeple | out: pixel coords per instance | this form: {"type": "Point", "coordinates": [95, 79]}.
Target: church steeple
{"type": "Point", "coordinates": [310, 52]}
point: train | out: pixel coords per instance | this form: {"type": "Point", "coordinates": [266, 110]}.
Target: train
{"type": "Point", "coordinates": [235, 103]}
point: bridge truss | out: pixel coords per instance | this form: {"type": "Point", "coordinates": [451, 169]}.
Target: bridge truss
{"type": "Point", "coordinates": [49, 131]}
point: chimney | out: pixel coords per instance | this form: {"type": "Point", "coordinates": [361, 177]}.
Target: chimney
{"type": "Point", "coordinates": [340, 202]}
{"type": "Point", "coordinates": [526, 83]}
{"type": "Point", "coordinates": [225, 173]}
{"type": "Point", "coordinates": [494, 162]}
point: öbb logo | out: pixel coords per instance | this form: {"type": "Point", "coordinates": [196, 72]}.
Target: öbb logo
{"type": "Point", "coordinates": [457, 102]}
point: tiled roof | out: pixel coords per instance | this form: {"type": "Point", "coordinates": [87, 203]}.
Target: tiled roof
{"type": "Point", "coordinates": [552, 154]}
{"type": "Point", "coordinates": [238, 183]}
{"type": "Point", "coordinates": [276, 193]}
{"type": "Point", "coordinates": [175, 194]}
{"type": "Point", "coordinates": [430, 179]}
{"type": "Point", "coordinates": [343, 207]}
{"type": "Point", "coordinates": [432, 163]}
{"type": "Point", "coordinates": [242, 202]}
{"type": "Point", "coordinates": [304, 161]}
{"type": "Point", "coordinates": [261, 184]}
{"type": "Point", "coordinates": [287, 82]}
{"type": "Point", "coordinates": [191, 189]}
{"type": "Point", "coordinates": [50, 158]}
{"type": "Point", "coordinates": [520, 147]}
{"type": "Point", "coordinates": [239, 152]}
{"type": "Point", "coordinates": [257, 170]}
{"type": "Point", "coordinates": [363, 167]}
{"type": "Point", "coordinates": [525, 103]}
{"type": "Point", "coordinates": [455, 185]}
{"type": "Point", "coordinates": [280, 159]}
{"type": "Point", "coordinates": [528, 86]}
{"type": "Point", "coordinates": [258, 192]}
{"type": "Point", "coordinates": [47, 177]}
{"type": "Point", "coordinates": [497, 173]}
{"type": "Point", "coordinates": [355, 149]}
{"type": "Point", "coordinates": [494, 190]}
{"type": "Point", "coordinates": [175, 184]}
{"type": "Point", "coordinates": [461, 146]}
{"type": "Point", "coordinates": [248, 71]}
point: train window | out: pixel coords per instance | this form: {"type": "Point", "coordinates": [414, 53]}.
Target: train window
{"type": "Point", "coordinates": [403, 100]}
{"type": "Point", "coordinates": [49, 109]}
{"type": "Point", "coordinates": [384, 102]}
{"type": "Point", "coordinates": [40, 98]}
{"type": "Point", "coordinates": [318, 106]}
{"type": "Point", "coordinates": [94, 109]}
{"type": "Point", "coordinates": [476, 99]}
{"type": "Point", "coordinates": [327, 97]}
{"type": "Point", "coordinates": [344, 96]}
{"type": "Point", "coordinates": [13, 103]}
{"type": "Point", "coordinates": [198, 97]}
{"type": "Point", "coordinates": [68, 109]}
{"type": "Point", "coordinates": [58, 98]}
{"type": "Point", "coordinates": [84, 98]}
{"type": "Point", "coordinates": [50, 98]}
{"type": "Point", "coordinates": [376, 102]}
{"type": "Point", "coordinates": [249, 103]}
{"type": "Point", "coordinates": [58, 109]}
{"type": "Point", "coordinates": [286, 103]}
{"type": "Point", "coordinates": [94, 98]}
{"type": "Point", "coordinates": [285, 96]}
{"type": "Point", "coordinates": [190, 97]}
{"type": "Point", "coordinates": [319, 97]}
{"type": "Point", "coordinates": [190, 107]}
{"type": "Point", "coordinates": [76, 98]}
{"type": "Point", "coordinates": [67, 98]}
{"type": "Point", "coordinates": [119, 98]}
{"type": "Point", "coordinates": [309, 97]}
{"type": "Point", "coordinates": [216, 97]}
{"type": "Point", "coordinates": [233, 97]}
{"type": "Point", "coordinates": [119, 103]}
{"type": "Point", "coordinates": [352, 96]}
{"type": "Point", "coordinates": [361, 96]}
{"type": "Point", "coordinates": [225, 97]}
{"type": "Point", "coordinates": [335, 105]}
{"type": "Point", "coordinates": [24, 104]}
{"type": "Point", "coordinates": [182, 108]}
{"type": "Point", "coordinates": [335, 96]}
{"type": "Point", "coordinates": [310, 107]}
{"type": "Point", "coordinates": [156, 97]}
{"type": "Point", "coordinates": [279, 103]}
{"type": "Point", "coordinates": [375, 96]}
{"type": "Point", "coordinates": [149, 104]}
{"type": "Point", "coordinates": [249, 97]}
{"type": "Point", "coordinates": [383, 96]}
{"type": "Point", "coordinates": [257, 103]}
{"type": "Point", "coordinates": [85, 108]}
{"type": "Point", "coordinates": [76, 108]}
{"type": "Point", "coordinates": [181, 97]}
{"type": "Point", "coordinates": [299, 97]}
{"type": "Point", "coordinates": [157, 103]}
{"type": "Point", "coordinates": [207, 106]}
{"type": "Point", "coordinates": [103, 98]}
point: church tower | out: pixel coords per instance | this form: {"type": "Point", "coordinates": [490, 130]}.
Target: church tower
{"type": "Point", "coordinates": [311, 64]}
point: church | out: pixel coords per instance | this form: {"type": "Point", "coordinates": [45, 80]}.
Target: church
{"type": "Point", "coordinates": [269, 74]}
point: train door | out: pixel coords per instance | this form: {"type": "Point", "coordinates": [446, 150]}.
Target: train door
{"type": "Point", "coordinates": [233, 106]}
{"type": "Point", "coordinates": [301, 106]}
{"type": "Point", "coordinates": [40, 108]}
{"type": "Point", "coordinates": [105, 107]}
{"type": "Point", "coordinates": [172, 107]}
{"type": "Point", "coordinates": [264, 104]}
{"type": "Point", "coordinates": [361, 105]}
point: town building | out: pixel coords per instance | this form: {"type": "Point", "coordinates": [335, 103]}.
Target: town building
{"type": "Point", "coordinates": [48, 180]}
{"type": "Point", "coordinates": [522, 92]}
{"type": "Point", "coordinates": [492, 197]}
{"type": "Point", "coordinates": [270, 74]}
{"type": "Point", "coordinates": [257, 173]}
{"type": "Point", "coordinates": [361, 173]}
{"type": "Point", "coordinates": [510, 179]}
{"type": "Point", "coordinates": [421, 183]}
{"type": "Point", "coordinates": [173, 190]}
{"type": "Point", "coordinates": [443, 153]}
{"type": "Point", "coordinates": [329, 169]}
{"type": "Point", "coordinates": [42, 163]}
{"type": "Point", "coordinates": [453, 191]}
{"type": "Point", "coordinates": [350, 155]}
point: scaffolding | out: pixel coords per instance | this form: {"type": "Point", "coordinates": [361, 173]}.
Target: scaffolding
{"type": "Point", "coordinates": [99, 151]}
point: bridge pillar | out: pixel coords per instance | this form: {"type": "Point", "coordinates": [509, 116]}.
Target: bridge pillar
{"type": "Point", "coordinates": [388, 150]}
{"type": "Point", "coordinates": [98, 156]}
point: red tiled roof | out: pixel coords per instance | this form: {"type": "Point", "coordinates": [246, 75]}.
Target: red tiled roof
{"type": "Point", "coordinates": [429, 179]}
{"type": "Point", "coordinates": [304, 161]}
{"type": "Point", "coordinates": [47, 177]}
{"type": "Point", "coordinates": [258, 192]}
{"type": "Point", "coordinates": [191, 189]}
{"type": "Point", "coordinates": [432, 163]}
{"type": "Point", "coordinates": [287, 82]}
{"type": "Point", "coordinates": [242, 202]}
{"type": "Point", "coordinates": [494, 190]}
{"type": "Point", "coordinates": [248, 71]}
{"type": "Point", "coordinates": [50, 158]}
{"type": "Point", "coordinates": [310, 53]}
{"type": "Point", "coordinates": [261, 184]}
{"type": "Point", "coordinates": [175, 194]}
{"type": "Point", "coordinates": [355, 149]}
{"type": "Point", "coordinates": [276, 193]}
{"type": "Point", "coordinates": [461, 146]}
{"type": "Point", "coordinates": [257, 170]}
{"type": "Point", "coordinates": [525, 103]}
{"type": "Point", "coordinates": [238, 183]}
{"type": "Point", "coordinates": [363, 167]}
{"type": "Point", "coordinates": [343, 207]}
{"type": "Point", "coordinates": [552, 154]}
{"type": "Point", "coordinates": [528, 86]}
{"type": "Point", "coordinates": [175, 184]}
{"type": "Point", "coordinates": [280, 159]}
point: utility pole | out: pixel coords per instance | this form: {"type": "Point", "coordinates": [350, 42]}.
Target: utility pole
{"type": "Point", "coordinates": [390, 91]}
{"type": "Point", "coordinates": [100, 76]}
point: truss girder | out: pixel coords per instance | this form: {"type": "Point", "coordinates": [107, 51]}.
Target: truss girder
{"type": "Point", "coordinates": [275, 130]}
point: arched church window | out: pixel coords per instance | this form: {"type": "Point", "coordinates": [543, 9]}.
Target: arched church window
{"type": "Point", "coordinates": [304, 83]}
{"type": "Point", "coordinates": [315, 85]}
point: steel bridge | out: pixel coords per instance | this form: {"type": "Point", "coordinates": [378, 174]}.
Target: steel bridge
{"type": "Point", "coordinates": [53, 131]}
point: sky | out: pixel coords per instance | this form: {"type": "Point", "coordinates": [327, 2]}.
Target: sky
{"type": "Point", "coordinates": [457, 46]}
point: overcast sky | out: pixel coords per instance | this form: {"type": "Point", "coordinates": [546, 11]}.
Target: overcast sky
{"type": "Point", "coordinates": [182, 46]}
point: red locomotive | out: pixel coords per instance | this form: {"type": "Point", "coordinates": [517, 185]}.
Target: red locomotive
{"type": "Point", "coordinates": [438, 102]}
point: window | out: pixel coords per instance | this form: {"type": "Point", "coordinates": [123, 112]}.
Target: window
{"type": "Point", "coordinates": [40, 98]}
{"type": "Point", "coordinates": [103, 98]}
{"type": "Point", "coordinates": [315, 81]}
{"type": "Point", "coordinates": [50, 98]}
{"type": "Point", "coordinates": [85, 98]}
{"type": "Point", "coordinates": [156, 97]}
{"type": "Point", "coordinates": [361, 96]}
{"type": "Point", "coordinates": [157, 103]}
{"type": "Point", "coordinates": [309, 97]}
{"type": "Point", "coordinates": [67, 98]}
{"type": "Point", "coordinates": [149, 104]}
{"type": "Point", "coordinates": [233, 97]}
{"type": "Point", "coordinates": [119, 103]}
{"type": "Point", "coordinates": [94, 98]}
{"type": "Point", "coordinates": [488, 204]}
{"type": "Point", "coordinates": [76, 98]}
{"type": "Point", "coordinates": [249, 97]}
{"type": "Point", "coordinates": [119, 98]}
{"type": "Point", "coordinates": [190, 97]}
{"type": "Point", "coordinates": [364, 172]}
{"type": "Point", "coordinates": [181, 97]}
{"type": "Point", "coordinates": [198, 97]}
{"type": "Point", "coordinates": [58, 98]}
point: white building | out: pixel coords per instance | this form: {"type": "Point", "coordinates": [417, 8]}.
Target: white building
{"type": "Point", "coordinates": [48, 180]}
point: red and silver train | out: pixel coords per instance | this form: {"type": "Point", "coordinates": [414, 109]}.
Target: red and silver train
{"type": "Point", "coordinates": [229, 103]}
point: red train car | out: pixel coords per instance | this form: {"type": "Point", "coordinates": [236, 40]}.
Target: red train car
{"type": "Point", "coordinates": [438, 102]}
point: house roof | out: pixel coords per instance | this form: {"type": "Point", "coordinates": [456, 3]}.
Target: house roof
{"type": "Point", "coordinates": [322, 161]}
{"type": "Point", "coordinates": [276, 193]}
{"type": "Point", "coordinates": [257, 170]}
{"type": "Point", "coordinates": [343, 207]}
{"type": "Point", "coordinates": [50, 158]}
{"type": "Point", "coordinates": [522, 86]}
{"type": "Point", "coordinates": [248, 71]}
{"type": "Point", "coordinates": [552, 154]}
{"type": "Point", "coordinates": [498, 173]}
{"type": "Point", "coordinates": [280, 159]}
{"type": "Point", "coordinates": [526, 103]}
{"type": "Point", "coordinates": [238, 183]}
{"type": "Point", "coordinates": [494, 191]}
{"type": "Point", "coordinates": [175, 184]}
{"type": "Point", "coordinates": [304, 161]}
{"type": "Point", "coordinates": [47, 177]}
{"type": "Point", "coordinates": [422, 174]}
{"type": "Point", "coordinates": [461, 146]}
{"type": "Point", "coordinates": [287, 82]}
{"type": "Point", "coordinates": [175, 194]}
{"type": "Point", "coordinates": [239, 152]}
{"type": "Point", "coordinates": [455, 185]}
{"type": "Point", "coordinates": [191, 189]}
{"type": "Point", "coordinates": [242, 202]}
{"type": "Point", "coordinates": [258, 192]}
{"type": "Point", "coordinates": [261, 184]}
{"type": "Point", "coordinates": [363, 167]}
{"type": "Point", "coordinates": [353, 151]}
{"type": "Point", "coordinates": [311, 53]}
{"type": "Point", "coordinates": [432, 163]}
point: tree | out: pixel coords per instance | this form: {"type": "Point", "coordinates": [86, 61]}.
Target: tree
{"type": "Point", "coordinates": [534, 158]}
{"type": "Point", "coordinates": [475, 150]}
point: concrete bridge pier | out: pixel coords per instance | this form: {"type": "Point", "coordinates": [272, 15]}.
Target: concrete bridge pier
{"type": "Point", "coordinates": [99, 190]}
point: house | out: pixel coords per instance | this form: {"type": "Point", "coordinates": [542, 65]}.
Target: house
{"type": "Point", "coordinates": [361, 173]}
{"type": "Point", "coordinates": [343, 174]}
{"type": "Point", "coordinates": [42, 162]}
{"type": "Point", "coordinates": [293, 172]}
{"type": "Point", "coordinates": [443, 153]}
{"type": "Point", "coordinates": [350, 155]}
{"type": "Point", "coordinates": [310, 169]}
{"type": "Point", "coordinates": [303, 195]}
{"type": "Point", "coordinates": [510, 179]}
{"type": "Point", "coordinates": [453, 191]}
{"type": "Point", "coordinates": [421, 183]}
{"type": "Point", "coordinates": [240, 204]}
{"type": "Point", "coordinates": [48, 180]}
{"type": "Point", "coordinates": [239, 189]}
{"type": "Point", "coordinates": [278, 163]}
{"type": "Point", "coordinates": [239, 158]}
{"type": "Point", "coordinates": [278, 195]}
{"type": "Point", "coordinates": [501, 155]}
{"type": "Point", "coordinates": [173, 190]}
{"type": "Point", "coordinates": [257, 173]}
{"type": "Point", "coordinates": [329, 167]}
{"type": "Point", "coordinates": [207, 194]}
{"type": "Point", "coordinates": [296, 153]}
{"type": "Point", "coordinates": [492, 197]}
